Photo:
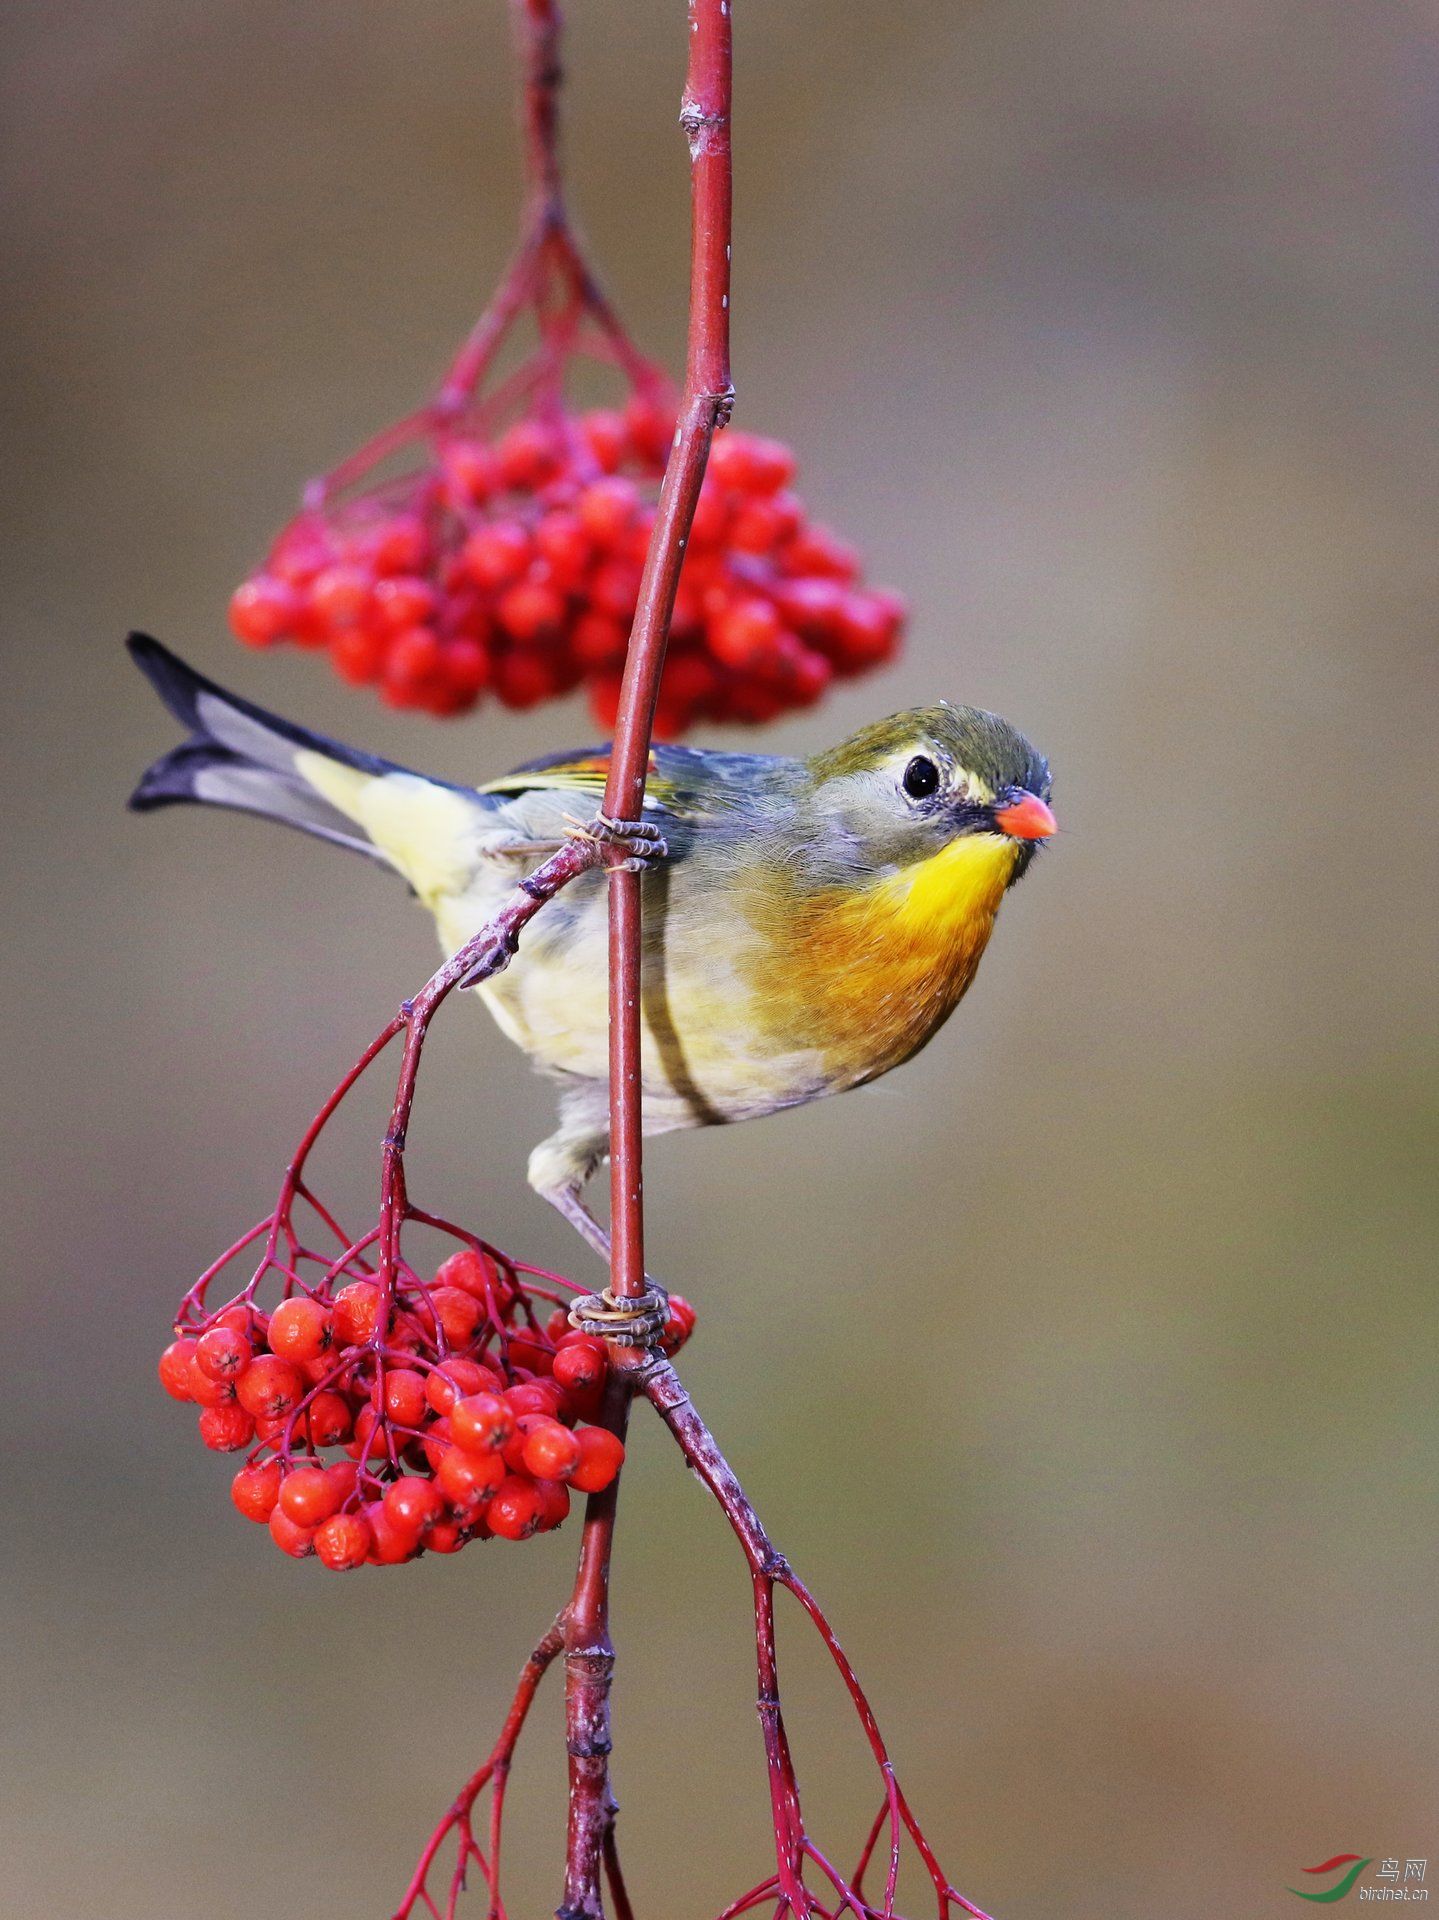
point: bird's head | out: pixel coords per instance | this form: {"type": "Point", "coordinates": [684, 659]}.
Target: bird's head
{"type": "Point", "coordinates": [909, 787]}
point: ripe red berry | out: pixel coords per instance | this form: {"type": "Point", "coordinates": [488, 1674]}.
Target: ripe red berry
{"type": "Point", "coordinates": [413, 1504]}
{"type": "Point", "coordinates": [226, 1429]}
{"type": "Point", "coordinates": [482, 1423]}
{"type": "Point", "coordinates": [580, 1363]}
{"type": "Point", "coordinates": [206, 1391]}
{"type": "Point", "coordinates": [176, 1363]}
{"type": "Point", "coordinates": [298, 1542]}
{"type": "Point", "coordinates": [551, 1452]}
{"type": "Point", "coordinates": [601, 1455]}
{"type": "Point", "coordinates": [301, 1329]}
{"type": "Point", "coordinates": [405, 1402]}
{"type": "Point", "coordinates": [222, 1353]}
{"type": "Point", "coordinates": [457, 1313]}
{"type": "Point", "coordinates": [341, 595]}
{"type": "Point", "coordinates": [468, 1270]}
{"type": "Point", "coordinates": [453, 1379]}
{"type": "Point", "coordinates": [343, 1542]}
{"type": "Point", "coordinates": [514, 1509]}
{"type": "Point", "coordinates": [468, 1479]}
{"type": "Point", "coordinates": [357, 1309]}
{"type": "Point", "coordinates": [534, 1396]}
{"type": "Point", "coordinates": [497, 554]}
{"type": "Point", "coordinates": [255, 1490]}
{"type": "Point", "coordinates": [746, 633]}
{"type": "Point", "coordinates": [554, 1500]}
{"type": "Point", "coordinates": [448, 1536]}
{"type": "Point", "coordinates": [308, 1495]}
{"type": "Point", "coordinates": [263, 610]}
{"type": "Point", "coordinates": [329, 1419]}
{"type": "Point", "coordinates": [389, 1545]}
{"type": "Point", "coordinates": [270, 1386]}
{"type": "Point", "coordinates": [529, 1354]}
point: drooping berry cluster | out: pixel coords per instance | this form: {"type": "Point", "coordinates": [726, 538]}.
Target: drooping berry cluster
{"type": "Point", "coordinates": [377, 1434]}
{"type": "Point", "coordinates": [512, 566]}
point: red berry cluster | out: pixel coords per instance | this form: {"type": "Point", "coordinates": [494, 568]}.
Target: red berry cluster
{"type": "Point", "coordinates": [462, 1418]}
{"type": "Point", "coordinates": [512, 566]}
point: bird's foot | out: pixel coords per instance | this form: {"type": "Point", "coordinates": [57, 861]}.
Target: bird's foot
{"type": "Point", "coordinates": [636, 844]}
{"type": "Point", "coordinates": [629, 1323]}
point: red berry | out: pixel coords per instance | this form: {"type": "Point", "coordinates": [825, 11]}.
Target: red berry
{"type": "Point", "coordinates": [528, 1353]}
{"type": "Point", "coordinates": [457, 1313]}
{"type": "Point", "coordinates": [309, 1495]}
{"type": "Point", "coordinates": [301, 1329]}
{"type": "Point", "coordinates": [389, 1545]}
{"type": "Point", "coordinates": [226, 1429]}
{"type": "Point", "coordinates": [413, 1504]}
{"type": "Point", "coordinates": [357, 655]}
{"type": "Point", "coordinates": [497, 554]}
{"type": "Point", "coordinates": [205, 1391]}
{"type": "Point", "coordinates": [471, 471]}
{"type": "Point", "coordinates": [554, 1498]}
{"type": "Point", "coordinates": [467, 1270]}
{"type": "Point", "coordinates": [343, 1542]}
{"type": "Point", "coordinates": [482, 1422]}
{"type": "Point", "coordinates": [448, 1536]}
{"type": "Point", "coordinates": [601, 1455]}
{"type": "Point", "coordinates": [531, 610]}
{"type": "Point", "coordinates": [452, 1380]}
{"type": "Point", "coordinates": [399, 545]}
{"type": "Point", "coordinates": [405, 601]}
{"type": "Point", "coordinates": [527, 455]}
{"type": "Point", "coordinates": [607, 437]}
{"type": "Point", "coordinates": [357, 1309]}
{"type": "Point", "coordinates": [263, 610]}
{"type": "Point", "coordinates": [468, 1479]}
{"type": "Point", "coordinates": [534, 1396]}
{"type": "Point", "coordinates": [222, 1353]}
{"type": "Point", "coordinates": [561, 540]}
{"type": "Point", "coordinates": [340, 596]}
{"type": "Point", "coordinates": [746, 633]}
{"type": "Point", "coordinates": [298, 1542]}
{"type": "Point", "coordinates": [176, 1363]}
{"type": "Point", "coordinates": [551, 1452]}
{"type": "Point", "coordinates": [255, 1490]}
{"type": "Point", "coordinates": [514, 1509]}
{"type": "Point", "coordinates": [581, 1363]}
{"type": "Point", "coordinates": [330, 1419]}
{"type": "Point", "coordinates": [405, 1401]}
{"type": "Point", "coordinates": [599, 640]}
{"type": "Point", "coordinates": [464, 668]}
{"type": "Point", "coordinates": [816, 550]}
{"type": "Point", "coordinates": [608, 509]}
{"type": "Point", "coordinates": [270, 1386]}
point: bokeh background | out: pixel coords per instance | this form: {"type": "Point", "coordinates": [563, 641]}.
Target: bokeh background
{"type": "Point", "coordinates": [1088, 1366]}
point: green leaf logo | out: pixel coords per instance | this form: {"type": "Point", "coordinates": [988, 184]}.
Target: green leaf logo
{"type": "Point", "coordinates": [1341, 1886]}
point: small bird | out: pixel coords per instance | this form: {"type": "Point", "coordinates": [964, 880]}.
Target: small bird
{"type": "Point", "coordinates": [811, 924]}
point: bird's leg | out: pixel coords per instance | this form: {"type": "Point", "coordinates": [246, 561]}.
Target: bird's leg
{"type": "Point", "coordinates": [568, 1201]}
{"type": "Point", "coordinates": [559, 1170]}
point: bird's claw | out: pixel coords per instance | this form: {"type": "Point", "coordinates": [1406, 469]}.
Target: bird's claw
{"type": "Point", "coordinates": [638, 843]}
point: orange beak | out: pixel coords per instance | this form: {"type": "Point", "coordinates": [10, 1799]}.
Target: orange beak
{"type": "Point", "coordinates": [1025, 817]}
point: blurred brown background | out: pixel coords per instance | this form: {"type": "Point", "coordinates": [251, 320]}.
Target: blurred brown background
{"type": "Point", "coordinates": [1089, 1366]}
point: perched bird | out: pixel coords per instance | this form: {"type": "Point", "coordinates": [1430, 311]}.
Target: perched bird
{"type": "Point", "coordinates": [811, 925]}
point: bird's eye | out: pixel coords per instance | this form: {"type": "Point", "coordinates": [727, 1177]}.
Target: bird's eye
{"type": "Point", "coordinates": [921, 777]}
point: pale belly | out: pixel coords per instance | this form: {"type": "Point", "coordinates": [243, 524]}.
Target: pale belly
{"type": "Point", "coordinates": [708, 1054]}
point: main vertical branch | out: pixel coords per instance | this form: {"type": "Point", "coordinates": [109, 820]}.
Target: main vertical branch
{"type": "Point", "coordinates": [704, 406]}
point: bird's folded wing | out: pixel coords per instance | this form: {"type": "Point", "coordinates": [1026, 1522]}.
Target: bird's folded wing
{"type": "Point", "coordinates": [666, 789]}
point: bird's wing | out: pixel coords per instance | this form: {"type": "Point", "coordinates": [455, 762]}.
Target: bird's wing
{"type": "Point", "coordinates": [674, 783]}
